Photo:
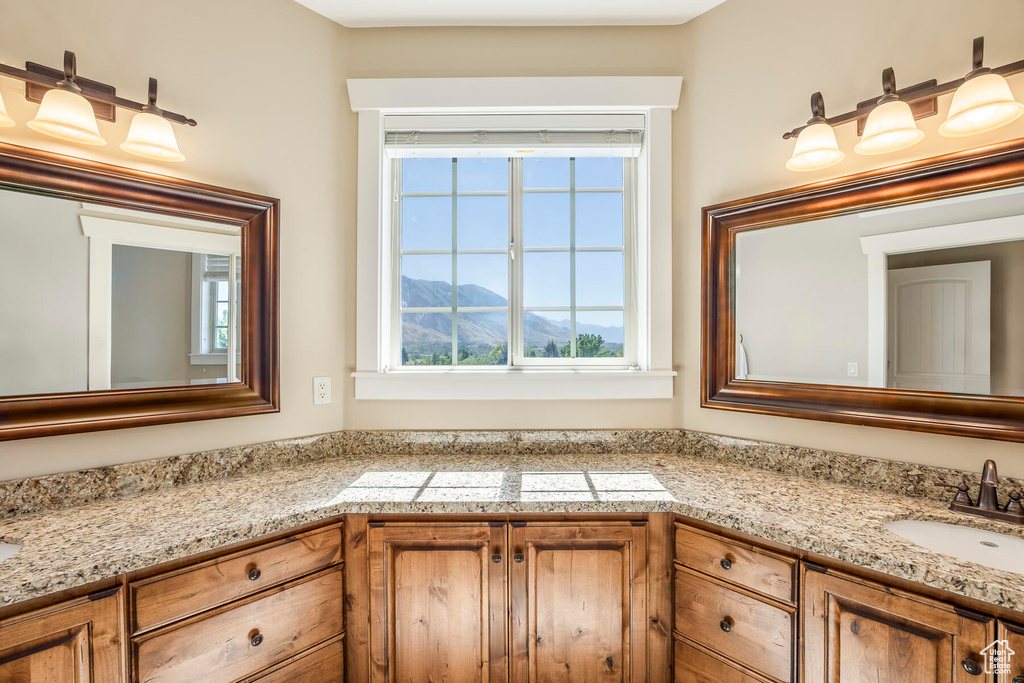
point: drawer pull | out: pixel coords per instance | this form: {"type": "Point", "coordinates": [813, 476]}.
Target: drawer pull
{"type": "Point", "coordinates": [518, 558]}
{"type": "Point", "coordinates": [496, 558]}
{"type": "Point", "coordinates": [971, 666]}
{"type": "Point", "coordinates": [726, 563]}
{"type": "Point", "coordinates": [725, 624]}
{"type": "Point", "coordinates": [256, 640]}
{"type": "Point", "coordinates": [255, 574]}
{"type": "Point", "coordinates": [1019, 678]}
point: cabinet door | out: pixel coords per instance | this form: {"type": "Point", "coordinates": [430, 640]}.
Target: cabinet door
{"type": "Point", "coordinates": [1011, 647]}
{"type": "Point", "coordinates": [75, 642]}
{"type": "Point", "coordinates": [856, 631]}
{"type": "Point", "coordinates": [437, 603]}
{"type": "Point", "coordinates": [579, 605]}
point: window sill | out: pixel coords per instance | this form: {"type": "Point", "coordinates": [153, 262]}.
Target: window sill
{"type": "Point", "coordinates": [481, 385]}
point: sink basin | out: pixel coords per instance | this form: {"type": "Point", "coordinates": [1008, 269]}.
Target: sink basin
{"type": "Point", "coordinates": [998, 551]}
{"type": "Point", "coordinates": [8, 549]}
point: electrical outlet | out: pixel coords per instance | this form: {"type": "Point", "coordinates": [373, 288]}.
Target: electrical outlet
{"type": "Point", "coordinates": [321, 390]}
{"type": "Point", "coordinates": [852, 369]}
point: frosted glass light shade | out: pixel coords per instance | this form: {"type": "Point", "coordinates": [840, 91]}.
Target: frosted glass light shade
{"type": "Point", "coordinates": [151, 136]}
{"type": "Point", "coordinates": [890, 127]}
{"type": "Point", "coordinates": [5, 119]}
{"type": "Point", "coordinates": [816, 148]}
{"type": "Point", "coordinates": [981, 104]}
{"type": "Point", "coordinates": [68, 116]}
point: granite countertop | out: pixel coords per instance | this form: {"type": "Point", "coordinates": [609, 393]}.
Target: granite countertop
{"type": "Point", "coordinates": [78, 545]}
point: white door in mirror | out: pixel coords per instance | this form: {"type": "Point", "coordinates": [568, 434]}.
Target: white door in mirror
{"type": "Point", "coordinates": [321, 390]}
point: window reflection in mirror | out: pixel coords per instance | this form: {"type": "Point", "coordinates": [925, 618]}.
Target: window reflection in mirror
{"type": "Point", "coordinates": [928, 296]}
{"type": "Point", "coordinates": [95, 298]}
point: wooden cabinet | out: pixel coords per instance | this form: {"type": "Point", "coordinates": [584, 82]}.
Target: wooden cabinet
{"type": "Point", "coordinates": [859, 631]}
{"type": "Point", "coordinates": [1011, 637]}
{"type": "Point", "coordinates": [437, 602]}
{"type": "Point", "coordinates": [79, 641]}
{"type": "Point", "coordinates": [579, 602]}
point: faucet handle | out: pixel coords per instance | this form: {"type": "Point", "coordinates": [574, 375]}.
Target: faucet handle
{"type": "Point", "coordinates": [961, 497]}
{"type": "Point", "coordinates": [1014, 507]}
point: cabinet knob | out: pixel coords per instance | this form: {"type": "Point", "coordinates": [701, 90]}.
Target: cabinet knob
{"type": "Point", "coordinates": [971, 666]}
{"type": "Point", "coordinates": [518, 557]}
{"type": "Point", "coordinates": [726, 563]}
{"type": "Point", "coordinates": [496, 558]}
{"type": "Point", "coordinates": [255, 574]}
{"type": "Point", "coordinates": [1019, 678]}
{"type": "Point", "coordinates": [256, 640]}
{"type": "Point", "coordinates": [725, 624]}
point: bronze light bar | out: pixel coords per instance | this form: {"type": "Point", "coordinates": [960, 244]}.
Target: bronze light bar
{"type": "Point", "coordinates": [922, 97]}
{"type": "Point", "coordinates": [40, 78]}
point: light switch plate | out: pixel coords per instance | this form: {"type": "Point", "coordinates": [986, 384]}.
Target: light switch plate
{"type": "Point", "coordinates": [321, 390]}
{"type": "Point", "coordinates": [852, 369]}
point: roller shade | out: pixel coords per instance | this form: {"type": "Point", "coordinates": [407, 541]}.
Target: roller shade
{"type": "Point", "coordinates": [513, 143]}
{"type": "Point", "coordinates": [215, 267]}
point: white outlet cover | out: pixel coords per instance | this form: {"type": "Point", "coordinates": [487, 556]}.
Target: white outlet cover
{"type": "Point", "coordinates": [852, 369]}
{"type": "Point", "coordinates": [321, 390]}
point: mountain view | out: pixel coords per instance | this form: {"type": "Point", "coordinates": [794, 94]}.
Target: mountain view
{"type": "Point", "coordinates": [483, 337]}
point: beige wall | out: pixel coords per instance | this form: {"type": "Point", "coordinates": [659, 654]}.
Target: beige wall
{"type": "Point", "coordinates": [265, 79]}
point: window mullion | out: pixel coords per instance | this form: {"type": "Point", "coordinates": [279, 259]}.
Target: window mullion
{"type": "Point", "coordinates": [455, 262]}
{"type": "Point", "coordinates": [572, 257]}
{"type": "Point", "coordinates": [515, 299]}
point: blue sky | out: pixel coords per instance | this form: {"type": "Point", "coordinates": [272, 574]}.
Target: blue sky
{"type": "Point", "coordinates": [483, 224]}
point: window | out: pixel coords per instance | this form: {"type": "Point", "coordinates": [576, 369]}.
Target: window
{"type": "Point", "coordinates": [520, 254]}
{"type": "Point", "coordinates": [514, 238]}
{"type": "Point", "coordinates": [211, 301]}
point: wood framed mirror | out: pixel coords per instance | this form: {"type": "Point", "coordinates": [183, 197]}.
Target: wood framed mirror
{"type": "Point", "coordinates": [131, 298]}
{"type": "Point", "coordinates": [893, 298]}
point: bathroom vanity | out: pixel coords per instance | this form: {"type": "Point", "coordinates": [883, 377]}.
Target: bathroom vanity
{"type": "Point", "coordinates": [688, 570]}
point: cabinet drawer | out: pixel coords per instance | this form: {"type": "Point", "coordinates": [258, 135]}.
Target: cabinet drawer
{"type": "Point", "coordinates": [325, 664]}
{"type": "Point", "coordinates": [168, 597]}
{"type": "Point", "coordinates": [693, 665]}
{"type": "Point", "coordinates": [741, 627]}
{"type": "Point", "coordinates": [759, 570]}
{"type": "Point", "coordinates": [224, 646]}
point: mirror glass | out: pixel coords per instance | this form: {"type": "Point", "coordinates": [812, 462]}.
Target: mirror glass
{"type": "Point", "coordinates": [926, 296]}
{"type": "Point", "coordinates": [95, 298]}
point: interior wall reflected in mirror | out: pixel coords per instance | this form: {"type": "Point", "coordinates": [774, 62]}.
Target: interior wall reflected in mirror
{"type": "Point", "coordinates": [96, 298]}
{"type": "Point", "coordinates": [928, 296]}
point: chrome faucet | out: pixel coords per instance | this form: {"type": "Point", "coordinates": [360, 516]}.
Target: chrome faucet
{"type": "Point", "coordinates": [988, 499]}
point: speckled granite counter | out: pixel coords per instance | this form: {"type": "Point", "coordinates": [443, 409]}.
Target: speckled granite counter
{"type": "Point", "coordinates": [74, 546]}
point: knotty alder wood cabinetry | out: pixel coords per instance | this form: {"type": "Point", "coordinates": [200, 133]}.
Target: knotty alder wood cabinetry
{"type": "Point", "coordinates": [472, 598]}
{"type": "Point", "coordinates": [440, 606]}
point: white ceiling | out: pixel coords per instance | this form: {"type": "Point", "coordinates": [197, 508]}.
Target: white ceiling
{"type": "Point", "coordinates": [365, 13]}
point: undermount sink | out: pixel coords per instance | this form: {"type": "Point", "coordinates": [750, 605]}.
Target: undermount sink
{"type": "Point", "coordinates": [998, 551]}
{"type": "Point", "coordinates": [8, 549]}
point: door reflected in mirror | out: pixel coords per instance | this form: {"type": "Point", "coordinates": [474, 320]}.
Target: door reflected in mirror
{"type": "Point", "coordinates": [926, 296]}
{"type": "Point", "coordinates": [96, 298]}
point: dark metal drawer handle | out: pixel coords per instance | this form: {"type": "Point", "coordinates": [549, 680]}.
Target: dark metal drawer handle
{"type": "Point", "coordinates": [496, 558]}
{"type": "Point", "coordinates": [518, 558]}
{"type": "Point", "coordinates": [255, 574]}
{"type": "Point", "coordinates": [726, 563]}
{"type": "Point", "coordinates": [971, 666]}
{"type": "Point", "coordinates": [725, 624]}
{"type": "Point", "coordinates": [256, 640]}
{"type": "Point", "coordinates": [1019, 678]}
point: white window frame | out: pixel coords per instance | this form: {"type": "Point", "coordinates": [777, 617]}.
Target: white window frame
{"type": "Point", "coordinates": [651, 375]}
{"type": "Point", "coordinates": [204, 314]}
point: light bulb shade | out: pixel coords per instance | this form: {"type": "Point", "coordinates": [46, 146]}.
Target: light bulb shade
{"type": "Point", "coordinates": [890, 127]}
{"type": "Point", "coordinates": [816, 148]}
{"type": "Point", "coordinates": [68, 116]}
{"type": "Point", "coordinates": [5, 119]}
{"type": "Point", "coordinates": [981, 104]}
{"type": "Point", "coordinates": [151, 136]}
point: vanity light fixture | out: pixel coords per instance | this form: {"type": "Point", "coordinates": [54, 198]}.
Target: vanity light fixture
{"type": "Point", "coordinates": [982, 102]}
{"type": "Point", "coordinates": [69, 107]}
{"type": "Point", "coordinates": [816, 146]}
{"type": "Point", "coordinates": [5, 119]}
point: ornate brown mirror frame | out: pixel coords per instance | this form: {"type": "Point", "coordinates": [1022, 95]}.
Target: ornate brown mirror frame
{"type": "Point", "coordinates": [992, 417]}
{"type": "Point", "coordinates": [29, 170]}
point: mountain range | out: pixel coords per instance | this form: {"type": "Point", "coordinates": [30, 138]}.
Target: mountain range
{"type": "Point", "coordinates": [432, 331]}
